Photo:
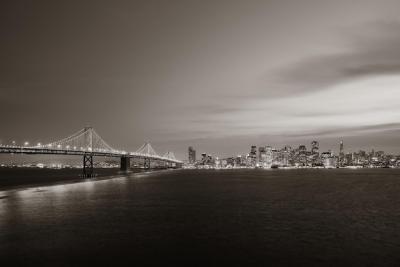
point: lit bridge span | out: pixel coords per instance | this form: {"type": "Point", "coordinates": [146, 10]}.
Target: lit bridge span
{"type": "Point", "coordinates": [89, 144]}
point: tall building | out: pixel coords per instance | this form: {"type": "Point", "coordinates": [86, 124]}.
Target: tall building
{"type": "Point", "coordinates": [314, 157]}
{"type": "Point", "coordinates": [275, 157]}
{"type": "Point", "coordinates": [341, 153]}
{"type": "Point", "coordinates": [285, 157]}
{"type": "Point", "coordinates": [192, 155]}
{"type": "Point", "coordinates": [268, 156]}
{"type": "Point", "coordinates": [341, 147]}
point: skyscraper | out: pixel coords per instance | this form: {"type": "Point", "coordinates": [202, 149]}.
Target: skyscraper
{"type": "Point", "coordinates": [192, 155]}
{"type": "Point", "coordinates": [268, 156]}
{"type": "Point", "coordinates": [314, 157]}
{"type": "Point", "coordinates": [253, 155]}
{"type": "Point", "coordinates": [341, 153]}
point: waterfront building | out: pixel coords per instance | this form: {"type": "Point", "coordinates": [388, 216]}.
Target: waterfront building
{"type": "Point", "coordinates": [238, 161]}
{"type": "Point", "coordinates": [285, 158]}
{"type": "Point", "coordinates": [329, 162]}
{"type": "Point", "coordinates": [328, 159]}
{"type": "Point", "coordinates": [348, 159]}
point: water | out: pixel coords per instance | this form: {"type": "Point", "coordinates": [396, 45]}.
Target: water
{"type": "Point", "coordinates": [208, 217]}
{"type": "Point", "coordinates": [23, 177]}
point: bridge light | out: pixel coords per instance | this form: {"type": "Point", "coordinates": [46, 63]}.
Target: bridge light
{"type": "Point", "coordinates": [74, 147]}
{"type": "Point", "coordinates": [67, 147]}
{"type": "Point", "coordinates": [58, 146]}
{"type": "Point", "coordinates": [26, 144]}
{"type": "Point", "coordinates": [39, 144]}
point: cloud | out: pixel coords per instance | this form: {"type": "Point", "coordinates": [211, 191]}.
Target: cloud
{"type": "Point", "coordinates": [349, 131]}
{"type": "Point", "coordinates": [373, 49]}
{"type": "Point", "coordinates": [356, 107]}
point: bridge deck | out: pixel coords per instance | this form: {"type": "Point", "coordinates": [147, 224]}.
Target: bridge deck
{"type": "Point", "coordinates": [52, 151]}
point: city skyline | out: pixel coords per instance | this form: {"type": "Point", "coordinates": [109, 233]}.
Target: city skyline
{"type": "Point", "coordinates": [220, 75]}
{"type": "Point", "coordinates": [313, 146]}
{"type": "Point", "coordinates": [301, 156]}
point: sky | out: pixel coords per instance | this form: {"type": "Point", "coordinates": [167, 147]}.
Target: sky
{"type": "Point", "coordinates": [216, 75]}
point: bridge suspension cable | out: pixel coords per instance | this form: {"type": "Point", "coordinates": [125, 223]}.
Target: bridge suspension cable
{"type": "Point", "coordinates": [169, 155]}
{"type": "Point", "coordinates": [86, 139]}
{"type": "Point", "coordinates": [147, 149]}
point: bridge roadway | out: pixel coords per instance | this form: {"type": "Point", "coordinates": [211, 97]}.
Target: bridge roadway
{"type": "Point", "coordinates": [88, 156]}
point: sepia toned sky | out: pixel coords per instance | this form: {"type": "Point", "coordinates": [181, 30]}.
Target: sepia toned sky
{"type": "Point", "coordinates": [217, 75]}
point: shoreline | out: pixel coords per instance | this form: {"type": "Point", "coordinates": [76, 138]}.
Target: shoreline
{"type": "Point", "coordinates": [57, 177]}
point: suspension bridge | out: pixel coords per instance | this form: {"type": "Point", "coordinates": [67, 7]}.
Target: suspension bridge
{"type": "Point", "coordinates": [88, 143]}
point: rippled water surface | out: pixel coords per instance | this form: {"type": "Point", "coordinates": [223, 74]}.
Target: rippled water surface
{"type": "Point", "coordinates": [207, 217]}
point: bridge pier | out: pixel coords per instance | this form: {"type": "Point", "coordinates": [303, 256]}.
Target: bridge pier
{"type": "Point", "coordinates": [88, 165]}
{"type": "Point", "coordinates": [146, 163]}
{"type": "Point", "coordinates": [125, 164]}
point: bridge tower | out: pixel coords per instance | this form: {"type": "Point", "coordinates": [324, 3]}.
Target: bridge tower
{"type": "Point", "coordinates": [88, 157]}
{"type": "Point", "coordinates": [88, 165]}
{"type": "Point", "coordinates": [88, 138]}
{"type": "Point", "coordinates": [147, 163]}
